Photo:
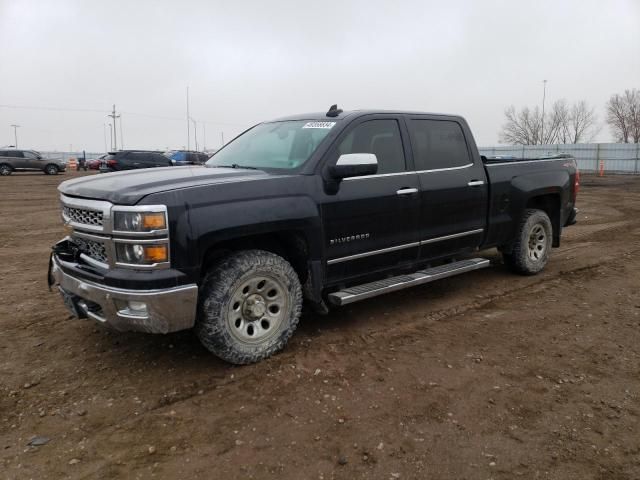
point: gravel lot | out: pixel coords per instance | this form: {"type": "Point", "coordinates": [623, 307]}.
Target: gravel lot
{"type": "Point", "coordinates": [486, 375]}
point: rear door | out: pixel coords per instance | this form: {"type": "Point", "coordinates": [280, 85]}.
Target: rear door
{"type": "Point", "coordinates": [453, 188]}
{"type": "Point", "coordinates": [371, 222]}
{"type": "Point", "coordinates": [17, 159]}
{"type": "Point", "coordinates": [132, 161]}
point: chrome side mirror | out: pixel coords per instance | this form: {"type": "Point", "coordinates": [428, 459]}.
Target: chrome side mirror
{"type": "Point", "coordinates": [354, 165]}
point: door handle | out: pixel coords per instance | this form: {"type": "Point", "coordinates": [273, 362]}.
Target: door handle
{"type": "Point", "coordinates": [475, 183]}
{"type": "Point", "coordinates": [407, 191]}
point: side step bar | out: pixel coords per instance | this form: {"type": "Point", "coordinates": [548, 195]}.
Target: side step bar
{"type": "Point", "coordinates": [373, 289]}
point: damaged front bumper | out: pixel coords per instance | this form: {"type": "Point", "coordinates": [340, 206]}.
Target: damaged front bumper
{"type": "Point", "coordinates": [153, 311]}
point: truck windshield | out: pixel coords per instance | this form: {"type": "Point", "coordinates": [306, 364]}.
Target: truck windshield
{"type": "Point", "coordinates": [284, 145]}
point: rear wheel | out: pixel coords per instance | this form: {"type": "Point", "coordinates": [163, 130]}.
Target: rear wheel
{"type": "Point", "coordinates": [532, 246]}
{"type": "Point", "coordinates": [5, 170]}
{"type": "Point", "coordinates": [51, 169]}
{"type": "Point", "coordinates": [250, 304]}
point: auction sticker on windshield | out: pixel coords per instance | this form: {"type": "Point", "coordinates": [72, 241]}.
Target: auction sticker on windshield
{"type": "Point", "coordinates": [319, 125]}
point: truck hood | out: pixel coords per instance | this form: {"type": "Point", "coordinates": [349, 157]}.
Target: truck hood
{"type": "Point", "coordinates": [128, 188]}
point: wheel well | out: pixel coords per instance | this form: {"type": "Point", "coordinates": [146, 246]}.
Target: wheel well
{"type": "Point", "coordinates": [289, 244]}
{"type": "Point", "coordinates": [6, 164]}
{"type": "Point", "coordinates": [550, 204]}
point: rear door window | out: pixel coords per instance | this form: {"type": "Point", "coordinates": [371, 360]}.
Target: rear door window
{"type": "Point", "coordinates": [15, 154]}
{"type": "Point", "coordinates": [438, 144]}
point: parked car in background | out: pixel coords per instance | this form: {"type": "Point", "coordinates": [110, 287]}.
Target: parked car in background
{"type": "Point", "coordinates": [15, 160]}
{"type": "Point", "coordinates": [94, 163]}
{"type": "Point", "coordinates": [133, 160]}
{"type": "Point", "coordinates": [187, 157]}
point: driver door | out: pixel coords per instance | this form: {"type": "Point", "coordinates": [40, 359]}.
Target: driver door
{"type": "Point", "coordinates": [371, 223]}
{"type": "Point", "coordinates": [31, 161]}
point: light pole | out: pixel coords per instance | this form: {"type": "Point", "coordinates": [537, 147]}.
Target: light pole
{"type": "Point", "coordinates": [195, 132]}
{"type": "Point", "coordinates": [15, 134]}
{"type": "Point", "coordinates": [204, 137]}
{"type": "Point", "coordinates": [544, 94]}
{"type": "Point", "coordinates": [188, 118]}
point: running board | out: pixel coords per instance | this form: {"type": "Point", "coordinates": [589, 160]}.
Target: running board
{"type": "Point", "coordinates": [373, 289]}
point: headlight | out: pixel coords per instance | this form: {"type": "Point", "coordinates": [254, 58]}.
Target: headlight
{"type": "Point", "coordinates": [139, 221]}
{"type": "Point", "coordinates": [142, 254]}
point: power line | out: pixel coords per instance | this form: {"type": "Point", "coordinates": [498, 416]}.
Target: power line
{"type": "Point", "coordinates": [53, 109]}
{"type": "Point", "coordinates": [137, 114]}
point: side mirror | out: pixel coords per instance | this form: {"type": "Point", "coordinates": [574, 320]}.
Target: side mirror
{"type": "Point", "coordinates": [354, 165]}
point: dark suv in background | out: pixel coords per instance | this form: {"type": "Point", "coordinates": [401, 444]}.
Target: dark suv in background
{"type": "Point", "coordinates": [15, 160]}
{"type": "Point", "coordinates": [133, 159]}
{"type": "Point", "coordinates": [187, 157]}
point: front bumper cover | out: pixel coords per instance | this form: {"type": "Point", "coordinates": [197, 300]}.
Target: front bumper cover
{"type": "Point", "coordinates": [167, 309]}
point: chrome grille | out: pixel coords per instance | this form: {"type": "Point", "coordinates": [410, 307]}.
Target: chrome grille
{"type": "Point", "coordinates": [82, 216]}
{"type": "Point", "coordinates": [92, 248]}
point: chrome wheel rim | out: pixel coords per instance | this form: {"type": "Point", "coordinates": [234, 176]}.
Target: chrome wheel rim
{"type": "Point", "coordinates": [258, 307]}
{"type": "Point", "coordinates": [537, 243]}
{"type": "Point", "coordinates": [51, 170]}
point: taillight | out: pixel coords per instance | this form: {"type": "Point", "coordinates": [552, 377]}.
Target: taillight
{"type": "Point", "coordinates": [112, 163]}
{"type": "Point", "coordinates": [576, 185]}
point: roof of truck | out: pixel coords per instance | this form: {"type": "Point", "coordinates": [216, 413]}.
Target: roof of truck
{"type": "Point", "coordinates": [356, 113]}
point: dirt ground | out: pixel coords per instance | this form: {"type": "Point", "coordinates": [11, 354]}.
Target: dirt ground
{"type": "Point", "coordinates": [485, 375]}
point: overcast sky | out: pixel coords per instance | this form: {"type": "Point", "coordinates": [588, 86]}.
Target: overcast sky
{"type": "Point", "coordinates": [68, 61]}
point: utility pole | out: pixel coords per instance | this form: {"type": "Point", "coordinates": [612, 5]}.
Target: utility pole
{"type": "Point", "coordinates": [204, 137]}
{"type": "Point", "coordinates": [15, 134]}
{"type": "Point", "coordinates": [121, 136]}
{"type": "Point", "coordinates": [115, 135]}
{"type": "Point", "coordinates": [195, 132]}
{"type": "Point", "coordinates": [544, 94]}
{"type": "Point", "coordinates": [188, 119]}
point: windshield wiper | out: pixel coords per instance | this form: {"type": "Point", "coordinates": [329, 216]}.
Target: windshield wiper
{"type": "Point", "coordinates": [235, 165]}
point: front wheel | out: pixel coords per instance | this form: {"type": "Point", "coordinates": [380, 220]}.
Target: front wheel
{"type": "Point", "coordinates": [532, 246]}
{"type": "Point", "coordinates": [51, 170]}
{"type": "Point", "coordinates": [249, 306]}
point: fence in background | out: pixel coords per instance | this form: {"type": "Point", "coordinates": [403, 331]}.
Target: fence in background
{"type": "Point", "coordinates": [67, 155]}
{"type": "Point", "coordinates": [613, 157]}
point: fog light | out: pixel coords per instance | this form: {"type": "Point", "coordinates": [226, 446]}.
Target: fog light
{"type": "Point", "coordinates": [137, 308]}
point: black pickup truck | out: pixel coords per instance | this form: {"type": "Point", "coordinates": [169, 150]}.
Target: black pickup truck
{"type": "Point", "coordinates": [327, 208]}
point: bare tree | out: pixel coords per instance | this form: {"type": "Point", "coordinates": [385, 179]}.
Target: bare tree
{"type": "Point", "coordinates": [623, 116]}
{"type": "Point", "coordinates": [633, 101]}
{"type": "Point", "coordinates": [523, 127]}
{"type": "Point", "coordinates": [580, 124]}
{"type": "Point", "coordinates": [554, 122]}
{"type": "Point", "coordinates": [562, 124]}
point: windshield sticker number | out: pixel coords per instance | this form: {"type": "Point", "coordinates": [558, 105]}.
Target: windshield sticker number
{"type": "Point", "coordinates": [319, 125]}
